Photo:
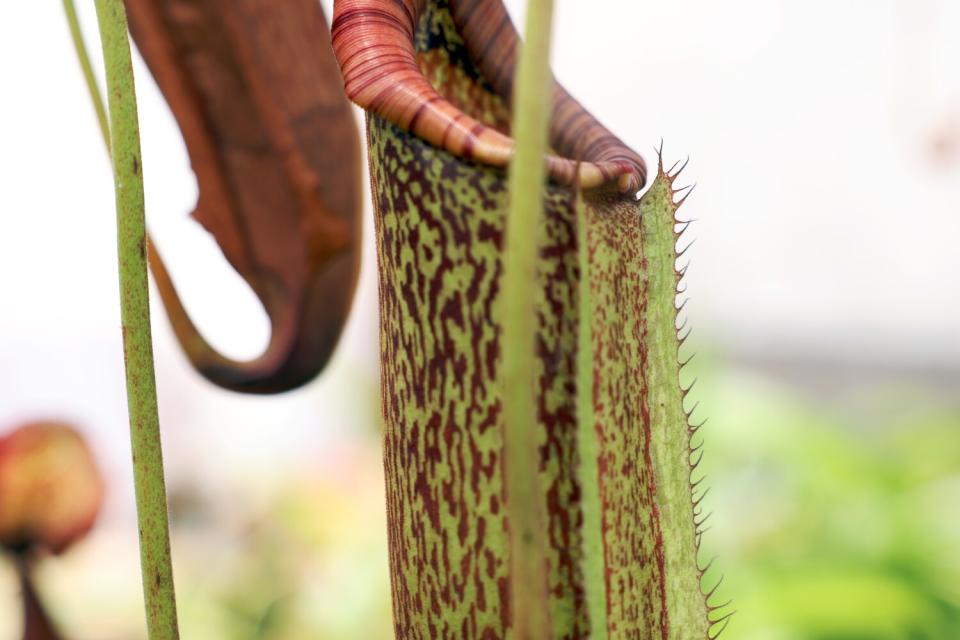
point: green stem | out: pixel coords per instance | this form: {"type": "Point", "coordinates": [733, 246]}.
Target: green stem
{"type": "Point", "coordinates": [135, 314]}
{"type": "Point", "coordinates": [84, 58]}
{"type": "Point", "coordinates": [588, 445]}
{"type": "Point", "coordinates": [525, 500]}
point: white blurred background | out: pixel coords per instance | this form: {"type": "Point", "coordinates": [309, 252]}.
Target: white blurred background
{"type": "Point", "coordinates": [824, 137]}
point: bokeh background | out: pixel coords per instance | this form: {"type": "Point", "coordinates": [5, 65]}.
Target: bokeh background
{"type": "Point", "coordinates": [825, 140]}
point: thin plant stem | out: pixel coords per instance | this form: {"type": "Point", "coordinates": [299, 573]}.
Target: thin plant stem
{"type": "Point", "coordinates": [151, 498]}
{"type": "Point", "coordinates": [70, 10]}
{"type": "Point", "coordinates": [525, 500]}
{"type": "Point", "coordinates": [37, 625]}
{"type": "Point", "coordinates": [588, 446]}
{"type": "Point", "coordinates": [96, 99]}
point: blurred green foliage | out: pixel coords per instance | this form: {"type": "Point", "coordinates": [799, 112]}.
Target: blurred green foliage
{"type": "Point", "coordinates": [835, 512]}
{"type": "Point", "coordinates": [308, 561]}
